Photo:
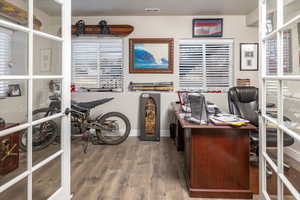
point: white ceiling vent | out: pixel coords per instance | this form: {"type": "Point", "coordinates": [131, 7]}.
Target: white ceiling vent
{"type": "Point", "coordinates": [152, 9]}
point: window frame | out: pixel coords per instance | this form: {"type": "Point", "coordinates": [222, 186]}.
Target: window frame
{"type": "Point", "coordinates": [122, 66]}
{"type": "Point", "coordinates": [202, 41]}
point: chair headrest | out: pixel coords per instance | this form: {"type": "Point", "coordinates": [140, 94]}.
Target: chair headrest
{"type": "Point", "coordinates": [246, 94]}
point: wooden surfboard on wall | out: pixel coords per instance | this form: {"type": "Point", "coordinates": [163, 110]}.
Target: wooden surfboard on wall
{"type": "Point", "coordinates": [117, 30]}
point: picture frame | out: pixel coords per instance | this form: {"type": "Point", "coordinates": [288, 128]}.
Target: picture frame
{"type": "Point", "coordinates": [46, 59]}
{"type": "Point", "coordinates": [249, 57]}
{"type": "Point", "coordinates": [183, 97]}
{"type": "Point", "coordinates": [14, 90]}
{"type": "Point", "coordinates": [151, 55]}
{"type": "Point", "coordinates": [212, 27]}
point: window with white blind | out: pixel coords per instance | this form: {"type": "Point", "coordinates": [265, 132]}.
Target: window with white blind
{"type": "Point", "coordinates": [5, 56]}
{"type": "Point", "coordinates": [97, 63]}
{"type": "Point", "coordinates": [205, 65]}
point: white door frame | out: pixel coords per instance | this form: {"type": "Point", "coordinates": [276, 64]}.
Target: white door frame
{"type": "Point", "coordinates": [64, 192]}
{"type": "Point", "coordinates": [278, 168]}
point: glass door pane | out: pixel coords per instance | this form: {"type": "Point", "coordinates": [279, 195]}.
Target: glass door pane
{"type": "Point", "coordinates": [15, 192]}
{"type": "Point", "coordinates": [290, 10]}
{"type": "Point", "coordinates": [13, 156]}
{"type": "Point", "coordinates": [14, 98]}
{"type": "Point", "coordinates": [15, 11]}
{"type": "Point", "coordinates": [271, 180]}
{"type": "Point", "coordinates": [31, 77]}
{"type": "Point", "coordinates": [271, 18]}
{"type": "Point", "coordinates": [46, 180]}
{"type": "Point", "coordinates": [291, 49]}
{"type": "Point", "coordinates": [48, 14]}
{"type": "Point", "coordinates": [47, 56]}
{"type": "Point", "coordinates": [271, 54]}
{"type": "Point", "coordinates": [281, 100]}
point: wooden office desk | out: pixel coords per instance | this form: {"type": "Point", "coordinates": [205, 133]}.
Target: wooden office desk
{"type": "Point", "coordinates": [216, 159]}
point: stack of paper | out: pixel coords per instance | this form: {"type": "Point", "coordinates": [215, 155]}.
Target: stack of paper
{"type": "Point", "coordinates": [227, 119]}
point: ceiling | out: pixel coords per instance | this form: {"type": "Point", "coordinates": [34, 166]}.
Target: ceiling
{"type": "Point", "coordinates": [167, 7]}
{"type": "Point", "coordinates": [50, 7]}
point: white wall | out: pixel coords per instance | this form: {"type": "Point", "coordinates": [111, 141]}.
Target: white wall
{"type": "Point", "coordinates": [177, 27]}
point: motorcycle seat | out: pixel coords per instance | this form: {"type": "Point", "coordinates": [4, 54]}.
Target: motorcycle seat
{"type": "Point", "coordinates": [85, 106]}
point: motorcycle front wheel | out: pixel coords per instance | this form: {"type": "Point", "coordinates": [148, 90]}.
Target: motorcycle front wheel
{"type": "Point", "coordinates": [116, 128]}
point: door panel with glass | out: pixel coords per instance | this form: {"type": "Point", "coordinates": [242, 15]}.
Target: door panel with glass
{"type": "Point", "coordinates": [34, 65]}
{"type": "Point", "coordinates": [280, 98]}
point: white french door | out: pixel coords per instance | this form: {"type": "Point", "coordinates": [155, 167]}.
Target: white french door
{"type": "Point", "coordinates": [35, 63]}
{"type": "Point", "coordinates": [280, 98]}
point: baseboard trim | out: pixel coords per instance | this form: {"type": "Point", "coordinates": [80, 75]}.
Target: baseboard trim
{"type": "Point", "coordinates": [136, 132]}
{"type": "Point", "coordinates": [292, 153]}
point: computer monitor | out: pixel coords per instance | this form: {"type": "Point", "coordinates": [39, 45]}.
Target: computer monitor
{"type": "Point", "coordinates": [198, 108]}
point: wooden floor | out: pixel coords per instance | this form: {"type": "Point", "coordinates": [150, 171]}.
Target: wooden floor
{"type": "Point", "coordinates": [134, 170]}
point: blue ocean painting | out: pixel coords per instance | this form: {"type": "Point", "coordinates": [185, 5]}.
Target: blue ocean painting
{"type": "Point", "coordinates": [151, 56]}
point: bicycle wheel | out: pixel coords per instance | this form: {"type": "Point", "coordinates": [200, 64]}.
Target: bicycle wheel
{"type": "Point", "coordinates": [116, 128]}
{"type": "Point", "coordinates": [42, 134]}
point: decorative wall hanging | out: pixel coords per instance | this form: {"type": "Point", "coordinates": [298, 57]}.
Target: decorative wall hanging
{"type": "Point", "coordinates": [151, 55]}
{"type": "Point", "coordinates": [102, 28]}
{"type": "Point", "coordinates": [150, 116]}
{"type": "Point", "coordinates": [183, 97]}
{"type": "Point", "coordinates": [208, 27]}
{"type": "Point", "coordinates": [155, 86]}
{"type": "Point", "coordinates": [249, 56]}
{"type": "Point", "coordinates": [46, 58]}
{"type": "Point", "coordinates": [17, 15]}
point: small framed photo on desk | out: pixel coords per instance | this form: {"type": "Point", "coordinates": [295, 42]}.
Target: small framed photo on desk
{"type": "Point", "coordinates": [183, 97]}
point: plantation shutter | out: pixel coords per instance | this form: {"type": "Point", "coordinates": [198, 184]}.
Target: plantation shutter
{"type": "Point", "coordinates": [218, 64]}
{"type": "Point", "coordinates": [111, 63]}
{"type": "Point", "coordinates": [191, 65]}
{"type": "Point", "coordinates": [97, 63]}
{"type": "Point", "coordinates": [205, 64]}
{"type": "Point", "coordinates": [5, 56]}
{"type": "Point", "coordinates": [85, 63]}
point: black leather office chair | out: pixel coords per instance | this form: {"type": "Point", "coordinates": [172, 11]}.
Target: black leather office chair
{"type": "Point", "coordinates": [243, 101]}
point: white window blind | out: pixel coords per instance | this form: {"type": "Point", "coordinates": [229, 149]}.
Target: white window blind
{"type": "Point", "coordinates": [5, 56]}
{"type": "Point", "coordinates": [205, 64]}
{"type": "Point", "coordinates": [97, 63]}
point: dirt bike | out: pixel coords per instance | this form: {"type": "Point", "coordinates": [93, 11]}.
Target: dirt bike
{"type": "Point", "coordinates": [107, 128]}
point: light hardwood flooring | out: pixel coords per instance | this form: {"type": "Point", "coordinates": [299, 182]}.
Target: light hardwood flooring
{"type": "Point", "coordinates": [133, 170]}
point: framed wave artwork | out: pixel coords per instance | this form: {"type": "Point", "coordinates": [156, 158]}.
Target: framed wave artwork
{"type": "Point", "coordinates": [151, 55]}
